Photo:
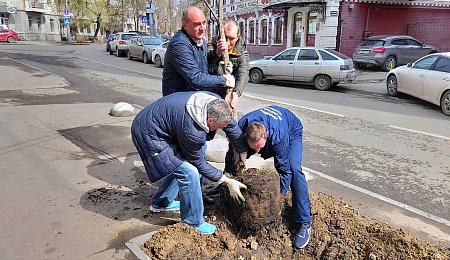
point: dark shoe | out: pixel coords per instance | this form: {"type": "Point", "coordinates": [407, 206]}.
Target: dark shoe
{"type": "Point", "coordinates": [207, 199]}
{"type": "Point", "coordinates": [302, 237]}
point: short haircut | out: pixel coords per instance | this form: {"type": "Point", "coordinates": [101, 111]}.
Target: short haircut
{"type": "Point", "coordinates": [232, 23]}
{"type": "Point", "coordinates": [219, 110]}
{"type": "Point", "coordinates": [255, 132]}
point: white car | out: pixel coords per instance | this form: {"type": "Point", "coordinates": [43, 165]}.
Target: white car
{"type": "Point", "coordinates": [159, 53]}
{"type": "Point", "coordinates": [428, 78]}
{"type": "Point", "coordinates": [323, 67]}
{"type": "Point", "coordinates": [120, 43]}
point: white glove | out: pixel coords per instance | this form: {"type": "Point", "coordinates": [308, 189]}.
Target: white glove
{"type": "Point", "coordinates": [239, 158]}
{"type": "Point", "coordinates": [230, 81]}
{"type": "Point", "coordinates": [234, 187]}
{"type": "Point", "coordinates": [228, 69]}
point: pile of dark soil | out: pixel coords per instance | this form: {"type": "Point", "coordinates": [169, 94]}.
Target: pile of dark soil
{"type": "Point", "coordinates": [338, 232]}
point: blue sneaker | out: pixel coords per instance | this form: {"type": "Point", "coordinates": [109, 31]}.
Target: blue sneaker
{"type": "Point", "coordinates": [174, 206]}
{"type": "Point", "coordinates": [206, 228]}
{"type": "Point", "coordinates": [302, 237]}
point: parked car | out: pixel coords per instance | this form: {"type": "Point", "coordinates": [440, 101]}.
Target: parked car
{"type": "Point", "coordinates": [323, 67]}
{"type": "Point", "coordinates": [387, 52]}
{"type": "Point", "coordinates": [108, 40]}
{"type": "Point", "coordinates": [159, 53]}
{"type": "Point", "coordinates": [141, 47]}
{"type": "Point", "coordinates": [427, 79]}
{"type": "Point", "coordinates": [120, 43]}
{"type": "Point", "coordinates": [8, 36]}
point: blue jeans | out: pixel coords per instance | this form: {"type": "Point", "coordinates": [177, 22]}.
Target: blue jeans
{"type": "Point", "coordinates": [185, 180]}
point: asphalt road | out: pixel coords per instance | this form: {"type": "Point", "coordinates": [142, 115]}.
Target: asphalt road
{"type": "Point", "coordinates": [388, 157]}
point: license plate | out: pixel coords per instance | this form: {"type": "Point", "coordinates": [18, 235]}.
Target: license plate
{"type": "Point", "coordinates": [364, 52]}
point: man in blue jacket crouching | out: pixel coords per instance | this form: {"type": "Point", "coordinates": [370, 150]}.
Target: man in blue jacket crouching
{"type": "Point", "coordinates": [169, 135]}
{"type": "Point", "coordinates": [276, 132]}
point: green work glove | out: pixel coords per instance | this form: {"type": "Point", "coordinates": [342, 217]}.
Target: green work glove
{"type": "Point", "coordinates": [234, 187]}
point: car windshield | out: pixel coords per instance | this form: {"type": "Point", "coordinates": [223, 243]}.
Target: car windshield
{"type": "Point", "coordinates": [152, 41]}
{"type": "Point", "coordinates": [127, 36]}
{"type": "Point", "coordinates": [372, 43]}
{"type": "Point", "coordinates": [340, 55]}
{"type": "Point", "coordinates": [111, 36]}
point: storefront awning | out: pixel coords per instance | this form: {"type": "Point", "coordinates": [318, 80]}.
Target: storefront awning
{"type": "Point", "coordinates": [293, 3]}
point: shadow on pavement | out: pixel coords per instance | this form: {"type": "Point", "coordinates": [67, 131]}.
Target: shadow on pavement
{"type": "Point", "coordinates": [127, 191]}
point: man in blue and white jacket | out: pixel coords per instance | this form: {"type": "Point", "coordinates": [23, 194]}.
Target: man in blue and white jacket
{"type": "Point", "coordinates": [276, 132]}
{"type": "Point", "coordinates": [169, 135]}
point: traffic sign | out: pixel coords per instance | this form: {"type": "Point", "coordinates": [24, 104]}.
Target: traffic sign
{"type": "Point", "coordinates": [66, 20]}
{"type": "Point", "coordinates": [144, 19]}
{"type": "Point", "coordinates": [66, 11]}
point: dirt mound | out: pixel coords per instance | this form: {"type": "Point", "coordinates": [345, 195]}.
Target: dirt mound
{"type": "Point", "coordinates": [257, 230]}
{"type": "Point", "coordinates": [338, 232]}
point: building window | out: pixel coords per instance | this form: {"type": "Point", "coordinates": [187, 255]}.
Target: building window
{"type": "Point", "coordinates": [312, 28]}
{"type": "Point", "coordinates": [298, 30]}
{"type": "Point", "coordinates": [30, 23]}
{"type": "Point", "coordinates": [263, 31]}
{"type": "Point", "coordinates": [242, 29]}
{"type": "Point", "coordinates": [278, 30]}
{"type": "Point", "coordinates": [38, 21]}
{"type": "Point", "coordinates": [251, 32]}
{"type": "Point", "coordinates": [52, 25]}
{"type": "Point", "coordinates": [88, 29]}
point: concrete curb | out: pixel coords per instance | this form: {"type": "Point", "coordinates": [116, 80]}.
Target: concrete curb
{"type": "Point", "coordinates": [135, 245]}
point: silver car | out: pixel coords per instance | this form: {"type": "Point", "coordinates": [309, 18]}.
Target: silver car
{"type": "Point", "coordinates": [159, 53]}
{"type": "Point", "coordinates": [141, 47]}
{"type": "Point", "coordinates": [323, 67]}
{"type": "Point", "coordinates": [120, 43]}
{"type": "Point", "coordinates": [427, 79]}
{"type": "Point", "coordinates": [387, 52]}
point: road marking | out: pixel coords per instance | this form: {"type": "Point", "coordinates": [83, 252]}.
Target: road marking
{"type": "Point", "coordinates": [381, 197]}
{"type": "Point", "coordinates": [284, 103]}
{"type": "Point", "coordinates": [117, 67]}
{"type": "Point", "coordinates": [420, 132]}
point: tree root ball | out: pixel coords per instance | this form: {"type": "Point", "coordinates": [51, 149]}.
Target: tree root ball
{"type": "Point", "coordinates": [263, 202]}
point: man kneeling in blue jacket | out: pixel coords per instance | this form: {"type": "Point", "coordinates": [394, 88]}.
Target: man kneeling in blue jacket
{"type": "Point", "coordinates": [169, 135]}
{"type": "Point", "coordinates": [276, 132]}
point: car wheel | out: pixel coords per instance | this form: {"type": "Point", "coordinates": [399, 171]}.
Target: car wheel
{"type": "Point", "coordinates": [111, 52]}
{"type": "Point", "coordinates": [389, 63]}
{"type": "Point", "coordinates": [11, 39]}
{"type": "Point", "coordinates": [158, 62]}
{"type": "Point", "coordinates": [117, 52]}
{"type": "Point", "coordinates": [392, 85]}
{"type": "Point", "coordinates": [145, 58]}
{"type": "Point", "coordinates": [322, 82]}
{"type": "Point", "coordinates": [359, 65]}
{"type": "Point", "coordinates": [107, 49]}
{"type": "Point", "coordinates": [256, 76]}
{"type": "Point", "coordinates": [445, 103]}
{"type": "Point", "coordinates": [129, 55]}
